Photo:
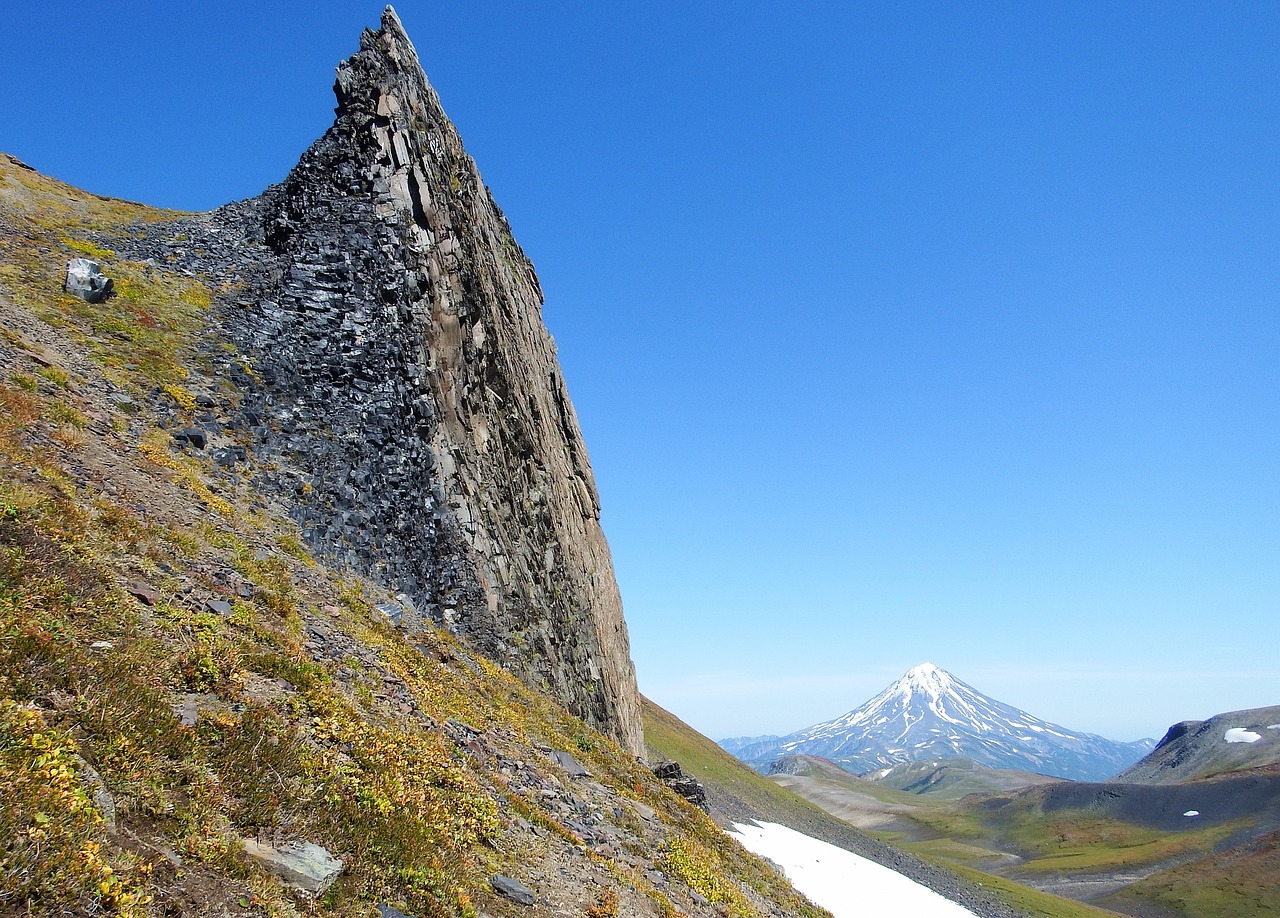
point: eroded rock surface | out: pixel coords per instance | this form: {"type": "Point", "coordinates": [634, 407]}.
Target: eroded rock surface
{"type": "Point", "coordinates": [399, 387]}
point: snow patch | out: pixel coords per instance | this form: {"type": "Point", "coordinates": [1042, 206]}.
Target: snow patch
{"type": "Point", "coordinates": [1274, 727]}
{"type": "Point", "coordinates": [1241, 735]}
{"type": "Point", "coordinates": [843, 883]}
{"type": "Point", "coordinates": [1191, 813]}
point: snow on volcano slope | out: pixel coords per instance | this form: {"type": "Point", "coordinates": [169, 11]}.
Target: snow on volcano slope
{"type": "Point", "coordinates": [930, 714]}
{"type": "Point", "coordinates": [840, 881]}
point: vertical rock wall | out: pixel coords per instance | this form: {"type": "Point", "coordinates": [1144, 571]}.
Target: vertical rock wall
{"type": "Point", "coordinates": [402, 382]}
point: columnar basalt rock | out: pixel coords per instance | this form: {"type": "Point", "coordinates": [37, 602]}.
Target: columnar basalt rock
{"type": "Point", "coordinates": [398, 375]}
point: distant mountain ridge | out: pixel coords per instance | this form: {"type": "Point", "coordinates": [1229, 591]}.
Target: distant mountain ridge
{"type": "Point", "coordinates": [930, 714]}
{"type": "Point", "coordinates": [1195, 749]}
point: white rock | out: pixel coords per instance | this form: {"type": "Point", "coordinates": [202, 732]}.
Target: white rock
{"type": "Point", "coordinates": [86, 280]}
{"type": "Point", "coordinates": [301, 864]}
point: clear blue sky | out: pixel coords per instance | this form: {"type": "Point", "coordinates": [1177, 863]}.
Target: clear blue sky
{"type": "Point", "coordinates": [898, 332]}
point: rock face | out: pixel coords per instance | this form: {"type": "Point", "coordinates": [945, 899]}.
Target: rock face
{"type": "Point", "coordinates": [686, 785]}
{"type": "Point", "coordinates": [397, 373]}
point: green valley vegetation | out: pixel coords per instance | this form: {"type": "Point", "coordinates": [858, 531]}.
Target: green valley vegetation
{"type": "Point", "coordinates": [1126, 848]}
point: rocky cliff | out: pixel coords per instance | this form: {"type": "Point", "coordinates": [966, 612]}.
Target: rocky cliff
{"type": "Point", "coordinates": [199, 716]}
{"type": "Point", "coordinates": [395, 371]}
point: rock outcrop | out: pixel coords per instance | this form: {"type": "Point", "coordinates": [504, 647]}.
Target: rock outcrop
{"type": "Point", "coordinates": [397, 377]}
{"type": "Point", "coordinates": [302, 864]}
{"type": "Point", "coordinates": [686, 785]}
{"type": "Point", "coordinates": [86, 280]}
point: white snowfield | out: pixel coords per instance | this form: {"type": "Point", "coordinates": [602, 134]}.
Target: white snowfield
{"type": "Point", "coordinates": [1241, 735]}
{"type": "Point", "coordinates": [843, 883]}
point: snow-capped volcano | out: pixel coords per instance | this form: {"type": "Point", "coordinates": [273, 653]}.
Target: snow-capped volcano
{"type": "Point", "coordinates": [930, 714]}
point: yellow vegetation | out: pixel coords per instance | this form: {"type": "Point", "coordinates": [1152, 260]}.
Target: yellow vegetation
{"type": "Point", "coordinates": [155, 447]}
{"type": "Point", "coordinates": [54, 835]}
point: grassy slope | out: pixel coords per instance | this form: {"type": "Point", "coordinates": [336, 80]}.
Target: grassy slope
{"type": "Point", "coordinates": [1241, 883]}
{"type": "Point", "coordinates": [727, 779]}
{"type": "Point", "coordinates": [315, 720]}
{"type": "Point", "coordinates": [951, 779]}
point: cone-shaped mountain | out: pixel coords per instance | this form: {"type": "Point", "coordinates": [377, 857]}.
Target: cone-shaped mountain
{"type": "Point", "coordinates": [930, 714]}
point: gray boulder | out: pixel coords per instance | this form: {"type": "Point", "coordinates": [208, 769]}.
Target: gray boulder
{"type": "Point", "coordinates": [301, 864]}
{"type": "Point", "coordinates": [571, 765]}
{"type": "Point", "coordinates": [191, 436]}
{"type": "Point", "coordinates": [513, 890]}
{"type": "Point", "coordinates": [86, 280]}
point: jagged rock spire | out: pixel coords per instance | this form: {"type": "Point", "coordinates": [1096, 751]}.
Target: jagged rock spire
{"type": "Point", "coordinates": [401, 341]}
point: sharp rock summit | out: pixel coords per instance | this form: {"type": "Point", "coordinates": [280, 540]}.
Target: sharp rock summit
{"type": "Point", "coordinates": [397, 378]}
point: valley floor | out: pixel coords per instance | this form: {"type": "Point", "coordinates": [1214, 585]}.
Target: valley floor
{"type": "Point", "coordinates": [1198, 849]}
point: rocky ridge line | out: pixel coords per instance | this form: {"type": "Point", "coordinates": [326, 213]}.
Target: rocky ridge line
{"type": "Point", "coordinates": [397, 378]}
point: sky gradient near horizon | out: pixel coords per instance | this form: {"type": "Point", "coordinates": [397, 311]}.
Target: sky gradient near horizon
{"type": "Point", "coordinates": [897, 333]}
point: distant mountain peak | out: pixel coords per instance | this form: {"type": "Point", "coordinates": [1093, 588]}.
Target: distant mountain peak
{"type": "Point", "coordinates": [926, 677]}
{"type": "Point", "coordinates": [929, 714]}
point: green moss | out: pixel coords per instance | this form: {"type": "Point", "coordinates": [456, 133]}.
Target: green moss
{"type": "Point", "coordinates": [63, 413]}
{"type": "Point", "coordinates": [703, 872]}
{"type": "Point", "coordinates": [1242, 882]}
{"type": "Point", "coordinates": [147, 329]}
{"type": "Point", "coordinates": [185, 400]}
{"type": "Point", "coordinates": [55, 839]}
{"type": "Point", "coordinates": [88, 249]}
{"type": "Point", "coordinates": [291, 545]}
{"type": "Point", "coordinates": [55, 375]}
{"type": "Point", "coordinates": [1027, 901]}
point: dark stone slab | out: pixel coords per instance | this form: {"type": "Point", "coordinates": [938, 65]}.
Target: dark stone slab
{"type": "Point", "coordinates": [191, 436]}
{"type": "Point", "coordinates": [513, 890]}
{"type": "Point", "coordinates": [571, 765]}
